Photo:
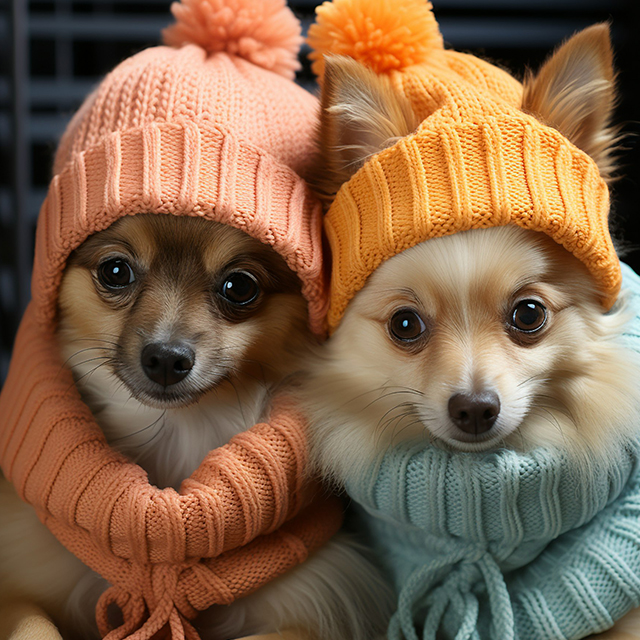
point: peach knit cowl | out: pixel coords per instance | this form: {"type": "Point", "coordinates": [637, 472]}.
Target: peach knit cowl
{"type": "Point", "coordinates": [212, 127]}
{"type": "Point", "coordinates": [228, 531]}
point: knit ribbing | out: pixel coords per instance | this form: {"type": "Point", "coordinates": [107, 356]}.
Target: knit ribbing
{"type": "Point", "coordinates": [101, 507]}
{"type": "Point", "coordinates": [454, 176]}
{"type": "Point", "coordinates": [500, 511]}
{"type": "Point", "coordinates": [180, 168]}
{"type": "Point", "coordinates": [499, 498]}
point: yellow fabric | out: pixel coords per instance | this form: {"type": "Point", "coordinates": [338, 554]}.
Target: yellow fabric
{"type": "Point", "coordinates": [476, 161]}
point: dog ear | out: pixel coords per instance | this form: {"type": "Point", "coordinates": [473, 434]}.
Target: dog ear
{"type": "Point", "coordinates": [574, 92]}
{"type": "Point", "coordinates": [361, 115]}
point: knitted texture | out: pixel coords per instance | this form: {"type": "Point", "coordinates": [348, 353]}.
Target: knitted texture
{"type": "Point", "coordinates": [189, 131]}
{"type": "Point", "coordinates": [466, 537]}
{"type": "Point", "coordinates": [475, 161]}
{"type": "Point", "coordinates": [226, 533]}
{"type": "Point", "coordinates": [265, 33]}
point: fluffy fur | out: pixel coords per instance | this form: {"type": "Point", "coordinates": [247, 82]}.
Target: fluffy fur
{"type": "Point", "coordinates": [362, 115]}
{"type": "Point", "coordinates": [241, 354]}
{"type": "Point", "coordinates": [574, 92]}
{"type": "Point", "coordinates": [569, 385]}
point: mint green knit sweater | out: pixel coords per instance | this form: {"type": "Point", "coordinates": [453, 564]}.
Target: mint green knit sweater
{"type": "Point", "coordinates": [506, 546]}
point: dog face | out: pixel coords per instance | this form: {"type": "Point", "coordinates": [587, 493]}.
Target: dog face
{"type": "Point", "coordinates": [175, 307]}
{"type": "Point", "coordinates": [485, 338]}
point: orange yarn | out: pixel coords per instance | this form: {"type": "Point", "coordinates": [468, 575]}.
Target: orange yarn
{"type": "Point", "coordinates": [475, 161]}
{"type": "Point", "coordinates": [180, 132]}
{"type": "Point", "coordinates": [384, 36]}
{"type": "Point", "coordinates": [168, 555]}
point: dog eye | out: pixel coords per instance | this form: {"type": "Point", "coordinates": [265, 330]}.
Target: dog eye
{"type": "Point", "coordinates": [528, 316]}
{"type": "Point", "coordinates": [240, 288]}
{"type": "Point", "coordinates": [406, 325]}
{"type": "Point", "coordinates": [115, 274]}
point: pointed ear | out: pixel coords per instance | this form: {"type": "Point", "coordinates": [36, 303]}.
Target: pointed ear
{"type": "Point", "coordinates": [361, 115]}
{"type": "Point", "coordinates": [575, 93]}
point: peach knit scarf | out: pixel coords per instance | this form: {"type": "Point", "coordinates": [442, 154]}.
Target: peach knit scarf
{"type": "Point", "coordinates": [168, 555]}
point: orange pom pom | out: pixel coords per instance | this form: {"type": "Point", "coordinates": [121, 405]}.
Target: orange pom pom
{"type": "Point", "coordinates": [384, 35]}
{"type": "Point", "coordinates": [265, 32]}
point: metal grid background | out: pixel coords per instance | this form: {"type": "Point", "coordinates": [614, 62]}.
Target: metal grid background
{"type": "Point", "coordinates": [53, 52]}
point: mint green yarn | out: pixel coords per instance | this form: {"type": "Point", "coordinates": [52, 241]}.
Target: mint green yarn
{"type": "Point", "coordinates": [453, 525]}
{"type": "Point", "coordinates": [506, 546]}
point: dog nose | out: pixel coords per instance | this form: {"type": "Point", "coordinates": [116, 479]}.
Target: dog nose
{"type": "Point", "coordinates": [167, 364]}
{"type": "Point", "coordinates": [474, 413]}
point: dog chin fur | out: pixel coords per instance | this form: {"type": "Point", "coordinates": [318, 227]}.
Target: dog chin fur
{"type": "Point", "coordinates": [575, 389]}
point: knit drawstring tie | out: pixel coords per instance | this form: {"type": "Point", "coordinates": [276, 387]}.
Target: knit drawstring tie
{"type": "Point", "coordinates": [161, 607]}
{"type": "Point", "coordinates": [455, 598]}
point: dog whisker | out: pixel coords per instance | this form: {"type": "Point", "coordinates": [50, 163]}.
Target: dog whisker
{"type": "Point", "coordinates": [380, 390]}
{"type": "Point", "coordinates": [88, 339]}
{"type": "Point", "coordinates": [551, 419]}
{"type": "Point", "coordinates": [97, 348]}
{"type": "Point", "coordinates": [541, 377]}
{"type": "Point", "coordinates": [424, 434]}
{"type": "Point", "coordinates": [559, 406]}
{"type": "Point", "coordinates": [88, 373]}
{"type": "Point", "coordinates": [157, 433]}
{"type": "Point", "coordinates": [396, 422]}
{"type": "Point", "coordinates": [83, 362]}
{"type": "Point", "coordinates": [407, 409]}
{"type": "Point", "coordinates": [139, 431]}
{"type": "Point", "coordinates": [394, 408]}
{"type": "Point", "coordinates": [387, 395]}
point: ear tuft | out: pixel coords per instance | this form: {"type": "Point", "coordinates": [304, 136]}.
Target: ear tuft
{"type": "Point", "coordinates": [574, 92]}
{"type": "Point", "coordinates": [361, 115]}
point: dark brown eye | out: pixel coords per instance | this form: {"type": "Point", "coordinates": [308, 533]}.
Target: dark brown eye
{"type": "Point", "coordinates": [528, 316]}
{"type": "Point", "coordinates": [240, 288]}
{"type": "Point", "coordinates": [406, 325]}
{"type": "Point", "coordinates": [116, 274]}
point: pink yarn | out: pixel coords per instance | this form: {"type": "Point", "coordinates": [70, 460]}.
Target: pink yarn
{"type": "Point", "coordinates": [264, 32]}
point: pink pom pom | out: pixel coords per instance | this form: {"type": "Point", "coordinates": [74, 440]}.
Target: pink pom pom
{"type": "Point", "coordinates": [265, 32]}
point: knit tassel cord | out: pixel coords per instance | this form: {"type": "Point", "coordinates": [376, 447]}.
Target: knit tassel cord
{"type": "Point", "coordinates": [134, 610]}
{"type": "Point", "coordinates": [455, 597]}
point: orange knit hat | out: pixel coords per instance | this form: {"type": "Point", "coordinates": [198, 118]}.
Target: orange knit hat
{"type": "Point", "coordinates": [475, 161]}
{"type": "Point", "coordinates": [210, 126]}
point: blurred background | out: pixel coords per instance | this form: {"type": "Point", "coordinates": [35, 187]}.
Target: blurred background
{"type": "Point", "coordinates": [53, 52]}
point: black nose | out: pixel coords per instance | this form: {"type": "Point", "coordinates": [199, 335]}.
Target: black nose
{"type": "Point", "coordinates": [474, 413]}
{"type": "Point", "coordinates": [166, 363]}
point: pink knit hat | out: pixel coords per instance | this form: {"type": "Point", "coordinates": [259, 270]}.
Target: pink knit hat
{"type": "Point", "coordinates": [210, 126]}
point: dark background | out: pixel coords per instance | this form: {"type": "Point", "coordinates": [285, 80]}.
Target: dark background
{"type": "Point", "coordinates": [53, 52]}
